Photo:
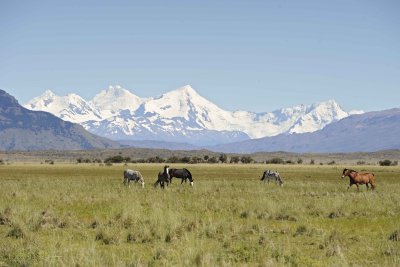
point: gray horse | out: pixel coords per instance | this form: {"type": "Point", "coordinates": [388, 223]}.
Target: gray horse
{"type": "Point", "coordinates": [131, 175]}
{"type": "Point", "coordinates": [269, 175]}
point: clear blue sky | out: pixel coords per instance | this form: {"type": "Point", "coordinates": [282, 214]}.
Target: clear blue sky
{"type": "Point", "coordinates": [252, 55]}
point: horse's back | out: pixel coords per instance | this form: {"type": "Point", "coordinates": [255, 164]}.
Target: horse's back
{"type": "Point", "coordinates": [128, 173]}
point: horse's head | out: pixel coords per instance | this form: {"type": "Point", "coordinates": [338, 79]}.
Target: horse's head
{"type": "Point", "coordinates": [345, 172]}
{"type": "Point", "coordinates": [166, 169]}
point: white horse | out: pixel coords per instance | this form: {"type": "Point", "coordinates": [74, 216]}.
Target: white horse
{"type": "Point", "coordinates": [136, 176]}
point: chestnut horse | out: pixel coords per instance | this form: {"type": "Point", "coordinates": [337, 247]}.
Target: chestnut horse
{"type": "Point", "coordinates": [359, 178]}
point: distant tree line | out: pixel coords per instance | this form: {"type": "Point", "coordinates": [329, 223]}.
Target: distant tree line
{"type": "Point", "coordinates": [222, 158]}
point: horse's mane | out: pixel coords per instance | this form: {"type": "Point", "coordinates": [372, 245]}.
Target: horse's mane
{"type": "Point", "coordinates": [352, 170]}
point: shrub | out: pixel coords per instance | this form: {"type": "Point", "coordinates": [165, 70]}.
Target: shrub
{"type": "Point", "coordinates": [246, 159]}
{"type": "Point", "coordinates": [173, 159]}
{"type": "Point", "coordinates": [361, 162]}
{"type": "Point", "coordinates": [223, 158]}
{"type": "Point", "coordinates": [156, 159]}
{"type": "Point", "coordinates": [275, 161]}
{"type": "Point", "coordinates": [299, 161]}
{"type": "Point", "coordinates": [385, 162]}
{"type": "Point", "coordinates": [312, 162]}
{"type": "Point", "coordinates": [234, 159]}
{"type": "Point", "coordinates": [212, 159]}
{"type": "Point", "coordinates": [117, 159]}
{"type": "Point", "coordinates": [185, 159]}
{"type": "Point", "coordinates": [16, 232]}
{"type": "Point", "coordinates": [331, 162]}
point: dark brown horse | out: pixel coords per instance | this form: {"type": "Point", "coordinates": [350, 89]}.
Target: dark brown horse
{"type": "Point", "coordinates": [184, 174]}
{"type": "Point", "coordinates": [359, 178]}
{"type": "Point", "coordinates": [163, 177]}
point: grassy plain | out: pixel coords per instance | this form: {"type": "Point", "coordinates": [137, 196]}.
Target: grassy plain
{"type": "Point", "coordinates": [82, 215]}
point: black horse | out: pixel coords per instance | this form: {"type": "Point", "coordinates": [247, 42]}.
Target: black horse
{"type": "Point", "coordinates": [163, 177]}
{"type": "Point", "coordinates": [184, 174]}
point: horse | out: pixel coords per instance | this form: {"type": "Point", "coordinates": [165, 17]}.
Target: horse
{"type": "Point", "coordinates": [269, 175]}
{"type": "Point", "coordinates": [184, 174]}
{"type": "Point", "coordinates": [359, 178]}
{"type": "Point", "coordinates": [130, 175]}
{"type": "Point", "coordinates": [163, 177]}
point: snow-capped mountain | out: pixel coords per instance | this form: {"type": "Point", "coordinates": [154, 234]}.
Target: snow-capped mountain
{"type": "Point", "coordinates": [71, 107]}
{"type": "Point", "coordinates": [181, 115]}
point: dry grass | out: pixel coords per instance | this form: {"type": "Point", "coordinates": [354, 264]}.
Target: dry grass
{"type": "Point", "coordinates": [82, 215]}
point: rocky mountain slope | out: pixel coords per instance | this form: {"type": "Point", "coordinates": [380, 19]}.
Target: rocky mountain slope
{"type": "Point", "coordinates": [23, 129]}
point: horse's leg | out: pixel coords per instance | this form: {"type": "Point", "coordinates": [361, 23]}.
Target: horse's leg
{"type": "Point", "coordinates": [366, 184]}
{"type": "Point", "coordinates": [182, 181]}
{"type": "Point", "coordinates": [348, 187]}
{"type": "Point", "coordinates": [358, 188]}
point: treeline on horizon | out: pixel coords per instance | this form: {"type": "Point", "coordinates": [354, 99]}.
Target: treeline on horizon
{"type": "Point", "coordinates": [223, 158]}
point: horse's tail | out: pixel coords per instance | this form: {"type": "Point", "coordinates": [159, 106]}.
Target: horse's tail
{"type": "Point", "coordinates": [372, 181]}
{"type": "Point", "coordinates": [190, 175]}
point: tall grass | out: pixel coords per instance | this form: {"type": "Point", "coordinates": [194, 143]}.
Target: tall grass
{"type": "Point", "coordinates": [83, 215]}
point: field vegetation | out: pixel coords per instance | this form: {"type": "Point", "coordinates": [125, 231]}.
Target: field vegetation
{"type": "Point", "coordinates": [82, 215]}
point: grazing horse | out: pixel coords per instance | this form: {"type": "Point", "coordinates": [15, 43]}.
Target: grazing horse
{"type": "Point", "coordinates": [359, 178]}
{"type": "Point", "coordinates": [184, 174]}
{"type": "Point", "coordinates": [130, 175]}
{"type": "Point", "coordinates": [163, 177]}
{"type": "Point", "coordinates": [269, 175]}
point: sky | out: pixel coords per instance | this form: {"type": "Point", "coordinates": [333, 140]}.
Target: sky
{"type": "Point", "coordinates": [242, 55]}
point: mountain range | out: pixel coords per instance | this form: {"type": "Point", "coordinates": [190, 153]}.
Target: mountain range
{"type": "Point", "coordinates": [24, 129]}
{"type": "Point", "coordinates": [371, 131]}
{"type": "Point", "coordinates": [183, 116]}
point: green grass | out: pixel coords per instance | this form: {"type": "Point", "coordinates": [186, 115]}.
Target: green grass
{"type": "Point", "coordinates": [82, 215]}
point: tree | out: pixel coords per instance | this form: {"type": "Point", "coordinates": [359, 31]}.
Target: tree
{"type": "Point", "coordinates": [235, 159]}
{"type": "Point", "coordinates": [223, 158]}
{"type": "Point", "coordinates": [299, 161]}
{"type": "Point", "coordinates": [385, 162]}
{"type": "Point", "coordinates": [246, 159]}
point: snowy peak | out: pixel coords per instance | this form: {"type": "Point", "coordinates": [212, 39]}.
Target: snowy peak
{"type": "Point", "coordinates": [71, 107]}
{"type": "Point", "coordinates": [115, 99]}
{"type": "Point", "coordinates": [317, 116]}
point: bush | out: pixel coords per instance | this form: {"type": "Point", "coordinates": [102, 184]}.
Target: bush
{"type": "Point", "coordinates": [234, 159]}
{"type": "Point", "coordinates": [223, 158]}
{"type": "Point", "coordinates": [385, 162]}
{"type": "Point", "coordinates": [185, 159]}
{"type": "Point", "coordinates": [212, 160]}
{"type": "Point", "coordinates": [332, 162]}
{"type": "Point", "coordinates": [156, 159]}
{"type": "Point", "coordinates": [173, 159]}
{"type": "Point", "coordinates": [117, 159]}
{"type": "Point", "coordinates": [299, 161]}
{"type": "Point", "coordinates": [246, 159]}
{"type": "Point", "coordinates": [361, 162]}
{"type": "Point", "coordinates": [196, 160]}
{"type": "Point", "coordinates": [275, 161]}
{"type": "Point", "coordinates": [312, 162]}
